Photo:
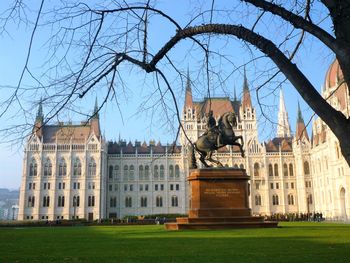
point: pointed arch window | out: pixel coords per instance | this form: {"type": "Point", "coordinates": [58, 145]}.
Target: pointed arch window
{"type": "Point", "coordinates": [161, 172]}
{"type": "Point", "coordinates": [77, 167]}
{"type": "Point", "coordinates": [141, 173]}
{"type": "Point", "coordinates": [128, 201]}
{"type": "Point", "coordinates": [174, 201]}
{"type": "Point", "coordinates": [306, 168]}
{"type": "Point", "coordinates": [155, 172]}
{"type": "Point", "coordinates": [131, 173]}
{"type": "Point", "coordinates": [46, 201]}
{"type": "Point", "coordinates": [33, 168]}
{"type": "Point", "coordinates": [270, 170]}
{"type": "Point", "coordinates": [126, 172]}
{"type": "Point", "coordinates": [146, 172]}
{"type": "Point", "coordinates": [291, 170]}
{"type": "Point", "coordinates": [159, 201]}
{"type": "Point", "coordinates": [171, 172]}
{"type": "Point", "coordinates": [92, 167]}
{"type": "Point", "coordinates": [117, 172]}
{"type": "Point", "coordinates": [276, 169]}
{"type": "Point", "coordinates": [143, 201]}
{"type": "Point", "coordinates": [290, 199]}
{"type": "Point", "coordinates": [177, 171]}
{"type": "Point", "coordinates": [285, 169]}
{"type": "Point", "coordinates": [48, 167]}
{"type": "Point", "coordinates": [110, 172]}
{"type": "Point", "coordinates": [258, 200]}
{"type": "Point", "coordinates": [62, 167]}
{"type": "Point", "coordinates": [275, 200]}
{"type": "Point", "coordinates": [256, 169]}
{"type": "Point", "coordinates": [31, 201]}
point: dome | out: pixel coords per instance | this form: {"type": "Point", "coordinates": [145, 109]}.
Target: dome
{"type": "Point", "coordinates": [333, 78]}
{"type": "Point", "coordinates": [334, 75]}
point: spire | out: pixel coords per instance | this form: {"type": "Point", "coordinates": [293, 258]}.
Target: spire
{"type": "Point", "coordinates": [246, 100]}
{"type": "Point", "coordinates": [283, 128]}
{"type": "Point", "coordinates": [95, 112]}
{"type": "Point", "coordinates": [234, 94]}
{"type": "Point", "coordinates": [188, 95]}
{"type": "Point", "coordinates": [300, 130]}
{"type": "Point", "coordinates": [39, 114]}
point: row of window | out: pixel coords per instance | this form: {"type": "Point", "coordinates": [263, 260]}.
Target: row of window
{"type": "Point", "coordinates": [273, 169]}
{"type": "Point", "coordinates": [144, 187]}
{"type": "Point", "coordinates": [277, 185]}
{"type": "Point", "coordinates": [275, 200]}
{"type": "Point", "coordinates": [62, 167]}
{"type": "Point", "coordinates": [60, 186]}
{"type": "Point", "coordinates": [158, 172]}
{"type": "Point", "coordinates": [60, 201]}
{"type": "Point", "coordinates": [128, 202]}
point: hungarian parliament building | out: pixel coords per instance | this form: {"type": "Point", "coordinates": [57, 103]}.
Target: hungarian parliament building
{"type": "Point", "coordinates": [72, 172]}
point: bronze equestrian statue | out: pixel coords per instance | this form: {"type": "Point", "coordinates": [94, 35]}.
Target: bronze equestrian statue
{"type": "Point", "coordinates": [215, 137]}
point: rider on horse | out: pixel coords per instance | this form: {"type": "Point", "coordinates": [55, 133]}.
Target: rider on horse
{"type": "Point", "coordinates": [213, 130]}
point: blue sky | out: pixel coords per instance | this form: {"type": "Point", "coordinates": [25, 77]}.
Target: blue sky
{"type": "Point", "coordinates": [130, 120]}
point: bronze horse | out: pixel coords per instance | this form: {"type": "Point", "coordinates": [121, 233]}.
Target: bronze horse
{"type": "Point", "coordinates": [220, 136]}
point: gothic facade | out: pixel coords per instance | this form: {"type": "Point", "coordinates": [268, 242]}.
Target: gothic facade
{"type": "Point", "coordinates": [70, 171]}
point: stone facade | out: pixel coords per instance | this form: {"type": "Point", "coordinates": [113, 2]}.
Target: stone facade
{"type": "Point", "coordinates": [71, 171]}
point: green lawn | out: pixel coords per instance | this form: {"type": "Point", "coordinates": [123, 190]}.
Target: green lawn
{"type": "Point", "coordinates": [292, 242]}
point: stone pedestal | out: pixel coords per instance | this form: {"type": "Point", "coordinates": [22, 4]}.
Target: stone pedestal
{"type": "Point", "coordinates": [219, 199]}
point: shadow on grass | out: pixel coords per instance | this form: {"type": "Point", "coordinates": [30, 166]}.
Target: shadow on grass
{"type": "Point", "coordinates": [290, 243]}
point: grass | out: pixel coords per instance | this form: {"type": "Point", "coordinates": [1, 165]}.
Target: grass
{"type": "Point", "coordinates": [292, 242]}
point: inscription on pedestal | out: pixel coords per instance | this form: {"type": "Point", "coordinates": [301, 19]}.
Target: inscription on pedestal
{"type": "Point", "coordinates": [221, 192]}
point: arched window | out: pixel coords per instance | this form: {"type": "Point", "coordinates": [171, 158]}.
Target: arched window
{"type": "Point", "coordinates": [110, 172]}
{"type": "Point", "coordinates": [177, 171]}
{"type": "Point", "coordinates": [126, 172]}
{"type": "Point", "coordinates": [46, 201]}
{"type": "Point", "coordinates": [270, 170]}
{"type": "Point", "coordinates": [117, 172]}
{"type": "Point", "coordinates": [235, 166]}
{"type": "Point", "coordinates": [92, 167]}
{"type": "Point", "coordinates": [258, 200]}
{"type": "Point", "coordinates": [171, 172]}
{"type": "Point", "coordinates": [275, 200]}
{"type": "Point", "coordinates": [290, 199]}
{"type": "Point", "coordinates": [76, 201]}
{"type": "Point", "coordinates": [276, 169]}
{"type": "Point", "coordinates": [77, 167]}
{"type": "Point", "coordinates": [146, 172]}
{"type": "Point", "coordinates": [256, 169]}
{"type": "Point", "coordinates": [113, 202]}
{"type": "Point", "coordinates": [33, 168]}
{"type": "Point", "coordinates": [62, 167]}
{"type": "Point", "coordinates": [309, 199]}
{"type": "Point", "coordinates": [143, 201]}
{"type": "Point", "coordinates": [174, 201]}
{"type": "Point", "coordinates": [285, 169]}
{"type": "Point", "coordinates": [91, 200]}
{"type": "Point", "coordinates": [31, 201]}
{"type": "Point", "coordinates": [128, 201]}
{"type": "Point", "coordinates": [161, 172]}
{"type": "Point", "coordinates": [131, 173]}
{"type": "Point", "coordinates": [241, 166]}
{"type": "Point", "coordinates": [291, 170]}
{"type": "Point", "coordinates": [60, 201]}
{"type": "Point", "coordinates": [141, 173]}
{"type": "Point", "coordinates": [306, 167]}
{"type": "Point", "coordinates": [48, 167]}
{"type": "Point", "coordinates": [159, 201]}
{"type": "Point", "coordinates": [155, 172]}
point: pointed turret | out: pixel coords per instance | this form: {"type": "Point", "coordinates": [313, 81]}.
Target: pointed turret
{"type": "Point", "coordinates": [283, 128]}
{"type": "Point", "coordinates": [96, 109]}
{"type": "Point", "coordinates": [188, 95]}
{"type": "Point", "coordinates": [40, 115]}
{"type": "Point", "coordinates": [246, 100]}
{"type": "Point", "coordinates": [39, 120]}
{"type": "Point", "coordinates": [300, 130]}
{"type": "Point", "coordinates": [95, 121]}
